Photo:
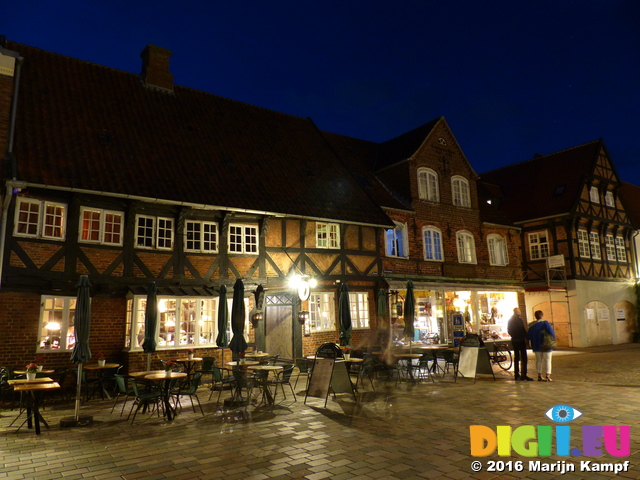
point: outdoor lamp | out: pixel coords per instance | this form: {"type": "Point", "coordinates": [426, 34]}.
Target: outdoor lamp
{"type": "Point", "coordinates": [255, 318]}
{"type": "Point", "coordinates": [303, 316]}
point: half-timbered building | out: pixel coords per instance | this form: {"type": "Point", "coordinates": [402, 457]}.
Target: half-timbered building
{"type": "Point", "coordinates": [576, 235]}
{"type": "Point", "coordinates": [131, 179]}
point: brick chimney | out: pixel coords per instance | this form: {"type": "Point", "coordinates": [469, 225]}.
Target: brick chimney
{"type": "Point", "coordinates": [155, 68]}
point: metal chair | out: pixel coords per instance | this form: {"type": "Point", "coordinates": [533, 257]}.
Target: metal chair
{"type": "Point", "coordinates": [220, 381]}
{"type": "Point", "coordinates": [123, 389]}
{"type": "Point", "coordinates": [191, 391]}
{"type": "Point", "coordinates": [284, 378]}
{"type": "Point", "coordinates": [144, 399]}
{"type": "Point", "coordinates": [207, 367]}
{"type": "Point", "coordinates": [304, 368]}
{"type": "Point", "coordinates": [423, 369]}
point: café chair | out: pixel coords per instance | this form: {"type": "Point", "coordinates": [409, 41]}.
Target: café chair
{"type": "Point", "coordinates": [191, 390]}
{"type": "Point", "coordinates": [220, 382]}
{"type": "Point", "coordinates": [274, 359]}
{"type": "Point", "coordinates": [207, 367]}
{"type": "Point", "coordinates": [284, 378]}
{"type": "Point", "coordinates": [144, 399]}
{"type": "Point", "coordinates": [304, 368]}
{"type": "Point", "coordinates": [123, 389]}
{"type": "Point", "coordinates": [450, 358]}
{"type": "Point", "coordinates": [423, 369]}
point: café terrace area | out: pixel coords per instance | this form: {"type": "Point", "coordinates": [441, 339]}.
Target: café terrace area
{"type": "Point", "coordinates": [388, 429]}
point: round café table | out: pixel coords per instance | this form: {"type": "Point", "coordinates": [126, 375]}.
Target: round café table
{"type": "Point", "coordinates": [409, 357]}
{"type": "Point", "coordinates": [263, 380]}
{"type": "Point", "coordinates": [189, 364]}
{"type": "Point", "coordinates": [169, 411]}
{"type": "Point", "coordinates": [99, 369]}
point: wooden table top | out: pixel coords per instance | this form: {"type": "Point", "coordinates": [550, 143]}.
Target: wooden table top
{"type": "Point", "coordinates": [354, 360]}
{"type": "Point", "coordinates": [144, 373]}
{"type": "Point", "coordinates": [186, 359]}
{"type": "Point", "coordinates": [95, 366]}
{"type": "Point", "coordinates": [163, 375]}
{"type": "Point", "coordinates": [408, 355]}
{"type": "Point", "coordinates": [20, 381]}
{"type": "Point", "coordinates": [23, 372]}
{"type": "Point", "coordinates": [267, 368]}
{"type": "Point", "coordinates": [246, 363]}
{"type": "Point", "coordinates": [30, 386]}
{"type": "Point", "coordinates": [257, 355]}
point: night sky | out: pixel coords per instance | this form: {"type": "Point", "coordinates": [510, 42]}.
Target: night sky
{"type": "Point", "coordinates": [512, 78]}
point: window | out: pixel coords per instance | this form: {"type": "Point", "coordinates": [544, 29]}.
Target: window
{"type": "Point", "coordinates": [608, 199]}
{"type": "Point", "coordinates": [432, 240]}
{"type": "Point", "coordinates": [40, 219]}
{"type": "Point", "coordinates": [498, 254]}
{"type": "Point", "coordinates": [327, 235]}
{"type": "Point", "coordinates": [460, 188]}
{"type": "Point", "coordinates": [611, 247]}
{"type": "Point", "coordinates": [428, 185]}
{"type": "Point", "coordinates": [243, 239]}
{"type": "Point", "coordinates": [201, 237]}
{"type": "Point", "coordinates": [583, 243]}
{"type": "Point", "coordinates": [466, 247]}
{"type": "Point", "coordinates": [359, 303]}
{"type": "Point", "coordinates": [57, 316]}
{"type": "Point", "coordinates": [538, 245]}
{"type": "Point", "coordinates": [100, 226]}
{"type": "Point", "coordinates": [182, 321]}
{"type": "Point", "coordinates": [594, 196]}
{"type": "Point", "coordinates": [396, 241]}
{"type": "Point", "coordinates": [621, 250]}
{"type": "Point", "coordinates": [154, 232]}
{"type": "Point", "coordinates": [322, 316]}
{"type": "Point", "coordinates": [594, 240]}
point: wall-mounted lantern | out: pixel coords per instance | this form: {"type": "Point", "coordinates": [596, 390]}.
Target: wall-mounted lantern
{"type": "Point", "coordinates": [303, 316]}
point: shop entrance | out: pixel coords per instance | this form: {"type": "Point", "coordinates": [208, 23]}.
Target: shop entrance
{"type": "Point", "coordinates": [279, 325]}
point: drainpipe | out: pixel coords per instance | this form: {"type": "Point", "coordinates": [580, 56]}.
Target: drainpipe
{"type": "Point", "coordinates": [6, 202]}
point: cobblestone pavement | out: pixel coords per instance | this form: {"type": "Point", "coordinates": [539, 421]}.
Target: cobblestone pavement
{"type": "Point", "coordinates": [400, 432]}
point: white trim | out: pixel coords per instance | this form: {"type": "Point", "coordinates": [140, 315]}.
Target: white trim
{"type": "Point", "coordinates": [466, 247]}
{"type": "Point", "coordinates": [435, 249]}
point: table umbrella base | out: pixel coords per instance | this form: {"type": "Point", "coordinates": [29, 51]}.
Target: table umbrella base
{"type": "Point", "coordinates": [236, 402]}
{"type": "Point", "coordinates": [82, 421]}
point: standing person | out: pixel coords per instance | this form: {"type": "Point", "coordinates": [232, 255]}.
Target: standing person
{"type": "Point", "coordinates": [518, 331]}
{"type": "Point", "coordinates": [536, 336]}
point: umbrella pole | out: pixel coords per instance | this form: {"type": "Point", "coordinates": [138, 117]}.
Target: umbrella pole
{"type": "Point", "coordinates": [78, 391]}
{"type": "Point", "coordinates": [148, 362]}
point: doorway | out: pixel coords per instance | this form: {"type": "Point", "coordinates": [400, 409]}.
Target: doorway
{"type": "Point", "coordinates": [279, 325]}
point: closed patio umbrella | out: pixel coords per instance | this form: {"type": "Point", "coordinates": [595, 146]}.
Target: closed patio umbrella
{"type": "Point", "coordinates": [409, 312]}
{"type": "Point", "coordinates": [149, 343]}
{"type": "Point", "coordinates": [382, 329]}
{"type": "Point", "coordinates": [344, 314]}
{"type": "Point", "coordinates": [223, 318]}
{"type": "Point", "coordinates": [82, 325]}
{"type": "Point", "coordinates": [238, 343]}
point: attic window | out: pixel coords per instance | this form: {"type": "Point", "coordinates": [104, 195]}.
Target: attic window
{"type": "Point", "coordinates": [442, 141]}
{"type": "Point", "coordinates": [559, 190]}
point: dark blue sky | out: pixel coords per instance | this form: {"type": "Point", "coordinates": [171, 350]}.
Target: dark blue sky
{"type": "Point", "coordinates": [512, 78]}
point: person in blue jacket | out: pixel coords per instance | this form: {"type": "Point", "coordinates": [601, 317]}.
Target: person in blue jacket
{"type": "Point", "coordinates": [543, 358]}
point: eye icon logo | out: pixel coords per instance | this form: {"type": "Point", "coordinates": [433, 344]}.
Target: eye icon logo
{"type": "Point", "coordinates": [563, 413]}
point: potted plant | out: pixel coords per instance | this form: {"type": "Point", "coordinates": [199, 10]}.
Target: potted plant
{"type": "Point", "coordinates": [101, 359]}
{"type": "Point", "coordinates": [31, 369]}
{"type": "Point", "coordinates": [347, 353]}
{"type": "Point", "coordinates": [39, 361]}
{"type": "Point", "coordinates": [241, 357]}
{"type": "Point", "coordinates": [190, 353]}
{"type": "Point", "coordinates": [168, 367]}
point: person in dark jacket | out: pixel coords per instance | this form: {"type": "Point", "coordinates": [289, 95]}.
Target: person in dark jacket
{"type": "Point", "coordinates": [518, 331]}
{"type": "Point", "coordinates": [536, 337]}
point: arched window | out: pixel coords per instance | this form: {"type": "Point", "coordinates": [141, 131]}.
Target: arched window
{"type": "Point", "coordinates": [461, 192]}
{"type": "Point", "coordinates": [428, 185]}
{"type": "Point", "coordinates": [396, 241]}
{"type": "Point", "coordinates": [498, 254]}
{"type": "Point", "coordinates": [466, 247]}
{"type": "Point", "coordinates": [432, 243]}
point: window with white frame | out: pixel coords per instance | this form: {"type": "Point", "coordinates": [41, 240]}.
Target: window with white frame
{"type": "Point", "coordinates": [57, 330]}
{"type": "Point", "coordinates": [100, 226]}
{"type": "Point", "coordinates": [498, 253]}
{"type": "Point", "coordinates": [621, 250]}
{"type": "Point", "coordinates": [428, 185]}
{"type": "Point", "coordinates": [182, 322]}
{"type": "Point", "coordinates": [243, 239]}
{"type": "Point", "coordinates": [322, 312]}
{"type": "Point", "coordinates": [538, 245]}
{"type": "Point", "coordinates": [359, 305]}
{"type": "Point", "coordinates": [327, 235]}
{"type": "Point", "coordinates": [154, 232]}
{"type": "Point", "coordinates": [594, 195]}
{"type": "Point", "coordinates": [200, 236]}
{"type": "Point", "coordinates": [610, 245]}
{"type": "Point", "coordinates": [461, 191]}
{"type": "Point", "coordinates": [40, 219]}
{"type": "Point", "coordinates": [466, 247]}
{"type": "Point", "coordinates": [609, 200]}
{"type": "Point", "coordinates": [396, 241]}
{"type": "Point", "coordinates": [432, 243]}
{"type": "Point", "coordinates": [594, 240]}
{"type": "Point", "coordinates": [583, 244]}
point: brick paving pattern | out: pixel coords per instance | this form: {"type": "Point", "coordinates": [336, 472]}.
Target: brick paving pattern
{"type": "Point", "coordinates": [402, 432]}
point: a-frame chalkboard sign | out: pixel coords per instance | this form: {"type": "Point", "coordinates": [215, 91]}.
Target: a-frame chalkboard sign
{"type": "Point", "coordinates": [474, 358]}
{"type": "Point", "coordinates": [329, 371]}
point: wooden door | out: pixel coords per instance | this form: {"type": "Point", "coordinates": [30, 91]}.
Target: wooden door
{"type": "Point", "coordinates": [279, 325]}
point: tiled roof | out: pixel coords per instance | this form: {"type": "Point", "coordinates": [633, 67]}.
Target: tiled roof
{"type": "Point", "coordinates": [85, 126]}
{"type": "Point", "coordinates": [403, 146]}
{"type": "Point", "coordinates": [546, 185]}
{"type": "Point", "coordinates": [630, 195]}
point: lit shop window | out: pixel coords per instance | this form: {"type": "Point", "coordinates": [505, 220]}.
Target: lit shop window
{"type": "Point", "coordinates": [322, 315]}
{"type": "Point", "coordinates": [57, 315]}
{"type": "Point", "coordinates": [40, 219]}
